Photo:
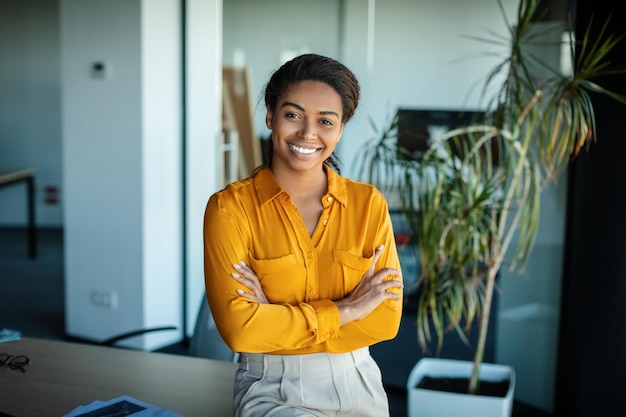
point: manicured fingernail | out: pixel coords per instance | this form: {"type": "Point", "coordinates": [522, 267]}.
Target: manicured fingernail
{"type": "Point", "coordinates": [235, 275]}
{"type": "Point", "coordinates": [240, 292]}
{"type": "Point", "coordinates": [237, 266]}
{"type": "Point", "coordinates": [380, 247]}
{"type": "Point", "coordinates": [242, 263]}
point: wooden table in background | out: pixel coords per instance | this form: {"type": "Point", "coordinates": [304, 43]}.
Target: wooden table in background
{"type": "Point", "coordinates": [63, 376]}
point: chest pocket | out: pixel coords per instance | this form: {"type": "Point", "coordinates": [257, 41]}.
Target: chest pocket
{"type": "Point", "coordinates": [283, 279]}
{"type": "Point", "coordinates": [345, 270]}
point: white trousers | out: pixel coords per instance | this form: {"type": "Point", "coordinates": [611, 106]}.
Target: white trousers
{"type": "Point", "coordinates": [317, 384]}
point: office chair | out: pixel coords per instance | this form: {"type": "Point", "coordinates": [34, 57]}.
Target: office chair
{"type": "Point", "coordinates": [115, 339]}
{"type": "Point", "coordinates": [206, 341]}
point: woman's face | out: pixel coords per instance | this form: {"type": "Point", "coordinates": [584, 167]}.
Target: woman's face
{"type": "Point", "coordinates": [306, 126]}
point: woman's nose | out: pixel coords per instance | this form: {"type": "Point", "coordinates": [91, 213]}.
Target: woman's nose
{"type": "Point", "coordinates": [308, 131]}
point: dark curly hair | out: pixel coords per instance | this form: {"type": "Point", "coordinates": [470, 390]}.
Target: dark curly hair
{"type": "Point", "coordinates": [313, 67]}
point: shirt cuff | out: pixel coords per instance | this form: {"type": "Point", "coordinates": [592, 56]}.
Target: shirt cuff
{"type": "Point", "coordinates": [328, 320]}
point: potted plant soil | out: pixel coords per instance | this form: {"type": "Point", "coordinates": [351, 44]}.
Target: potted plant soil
{"type": "Point", "coordinates": [439, 387]}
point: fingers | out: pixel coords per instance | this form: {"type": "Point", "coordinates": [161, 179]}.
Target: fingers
{"type": "Point", "coordinates": [389, 285]}
{"type": "Point", "coordinates": [246, 276]}
{"type": "Point", "coordinates": [248, 295]}
{"type": "Point", "coordinates": [244, 269]}
{"type": "Point", "coordinates": [390, 275]}
{"type": "Point", "coordinates": [244, 294]}
{"type": "Point", "coordinates": [377, 252]}
{"type": "Point", "coordinates": [388, 278]}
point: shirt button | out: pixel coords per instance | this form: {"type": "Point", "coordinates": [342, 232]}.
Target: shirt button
{"type": "Point", "coordinates": [325, 222]}
{"type": "Point", "coordinates": [329, 198]}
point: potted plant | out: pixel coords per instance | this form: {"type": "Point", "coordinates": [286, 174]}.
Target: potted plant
{"type": "Point", "coordinates": [473, 197]}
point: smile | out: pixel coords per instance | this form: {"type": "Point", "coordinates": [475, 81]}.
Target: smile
{"type": "Point", "coordinates": [305, 151]}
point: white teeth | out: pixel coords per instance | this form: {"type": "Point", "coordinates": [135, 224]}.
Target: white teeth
{"type": "Point", "coordinates": [305, 151]}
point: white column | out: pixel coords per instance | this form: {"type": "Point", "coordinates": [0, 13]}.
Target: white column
{"type": "Point", "coordinates": [204, 125]}
{"type": "Point", "coordinates": [121, 106]}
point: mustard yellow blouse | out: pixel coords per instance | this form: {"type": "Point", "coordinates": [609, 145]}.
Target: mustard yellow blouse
{"type": "Point", "coordinates": [255, 220]}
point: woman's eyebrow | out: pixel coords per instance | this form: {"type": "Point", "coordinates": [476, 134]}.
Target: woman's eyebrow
{"type": "Point", "coordinates": [289, 103]}
{"type": "Point", "coordinates": [299, 107]}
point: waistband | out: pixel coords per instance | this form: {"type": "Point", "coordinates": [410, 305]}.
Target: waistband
{"type": "Point", "coordinates": [262, 362]}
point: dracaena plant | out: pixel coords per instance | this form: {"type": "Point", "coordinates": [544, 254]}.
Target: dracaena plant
{"type": "Point", "coordinates": [474, 197]}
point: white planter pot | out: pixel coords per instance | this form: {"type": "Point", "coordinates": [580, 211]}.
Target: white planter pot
{"type": "Point", "coordinates": [432, 403]}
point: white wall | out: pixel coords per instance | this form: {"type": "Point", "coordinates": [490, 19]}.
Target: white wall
{"type": "Point", "coordinates": [122, 167]}
{"type": "Point", "coordinates": [422, 58]}
{"type": "Point", "coordinates": [143, 48]}
{"type": "Point", "coordinates": [271, 31]}
{"type": "Point", "coordinates": [411, 59]}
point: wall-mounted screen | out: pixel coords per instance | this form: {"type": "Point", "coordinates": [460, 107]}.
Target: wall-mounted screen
{"type": "Point", "coordinates": [417, 128]}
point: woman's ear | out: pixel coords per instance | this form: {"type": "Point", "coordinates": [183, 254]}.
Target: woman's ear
{"type": "Point", "coordinates": [268, 119]}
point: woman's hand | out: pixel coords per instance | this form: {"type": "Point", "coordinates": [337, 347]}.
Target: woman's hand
{"type": "Point", "coordinates": [374, 288]}
{"type": "Point", "coordinates": [248, 278]}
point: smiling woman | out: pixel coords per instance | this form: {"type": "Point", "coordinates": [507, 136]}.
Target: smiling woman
{"type": "Point", "coordinates": [306, 127]}
{"type": "Point", "coordinates": [301, 268]}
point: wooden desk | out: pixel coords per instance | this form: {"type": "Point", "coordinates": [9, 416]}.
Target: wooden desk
{"type": "Point", "coordinates": [63, 376]}
{"type": "Point", "coordinates": [28, 175]}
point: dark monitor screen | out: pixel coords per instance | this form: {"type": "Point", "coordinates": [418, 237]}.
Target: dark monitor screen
{"type": "Point", "coordinates": [417, 128]}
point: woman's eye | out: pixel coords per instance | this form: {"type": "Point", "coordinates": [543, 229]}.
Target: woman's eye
{"type": "Point", "coordinates": [292, 116]}
{"type": "Point", "coordinates": [326, 122]}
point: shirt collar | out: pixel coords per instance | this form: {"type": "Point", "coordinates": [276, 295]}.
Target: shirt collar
{"type": "Point", "coordinates": [337, 186]}
{"type": "Point", "coordinates": [267, 186]}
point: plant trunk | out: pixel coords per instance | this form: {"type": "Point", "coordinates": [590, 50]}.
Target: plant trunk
{"type": "Point", "coordinates": [500, 246]}
{"type": "Point", "coordinates": [484, 327]}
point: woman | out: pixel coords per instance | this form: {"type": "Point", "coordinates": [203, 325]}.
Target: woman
{"type": "Point", "coordinates": [301, 269]}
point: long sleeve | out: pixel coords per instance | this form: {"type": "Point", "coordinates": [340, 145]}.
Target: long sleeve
{"type": "Point", "coordinates": [249, 326]}
{"type": "Point", "coordinates": [255, 221]}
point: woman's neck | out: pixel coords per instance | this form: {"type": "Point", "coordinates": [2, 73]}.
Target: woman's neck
{"type": "Point", "coordinates": [309, 184]}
